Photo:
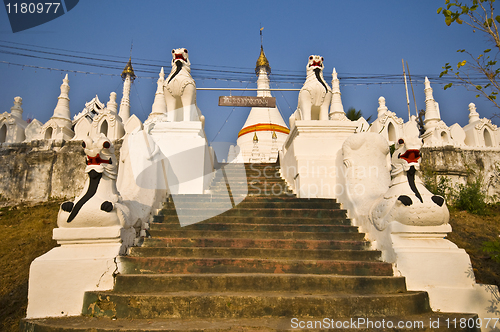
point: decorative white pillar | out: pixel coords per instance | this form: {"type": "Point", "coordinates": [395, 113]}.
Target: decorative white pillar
{"type": "Point", "coordinates": [431, 113]}
{"type": "Point", "coordinates": [381, 107]}
{"type": "Point", "coordinates": [336, 108]}
{"type": "Point", "coordinates": [17, 110]}
{"type": "Point", "coordinates": [255, 157]}
{"type": "Point", "coordinates": [159, 106]}
{"type": "Point", "coordinates": [59, 125]}
{"type": "Point", "coordinates": [128, 76]}
{"type": "Point", "coordinates": [62, 108]}
{"type": "Point", "coordinates": [473, 114]}
{"type": "Point", "coordinates": [112, 105]}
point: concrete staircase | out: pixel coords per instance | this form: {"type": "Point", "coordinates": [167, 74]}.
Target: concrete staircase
{"type": "Point", "coordinates": [273, 262]}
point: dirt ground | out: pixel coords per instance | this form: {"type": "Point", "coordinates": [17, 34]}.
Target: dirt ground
{"type": "Point", "coordinates": [27, 234]}
{"type": "Point", "coordinates": [470, 232]}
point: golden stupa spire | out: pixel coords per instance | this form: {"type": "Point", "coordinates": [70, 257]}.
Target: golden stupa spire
{"type": "Point", "coordinates": [128, 70]}
{"type": "Point", "coordinates": [262, 60]}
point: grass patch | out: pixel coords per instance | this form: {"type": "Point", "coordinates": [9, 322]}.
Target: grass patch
{"type": "Point", "coordinates": [470, 232]}
{"type": "Point", "coordinates": [27, 234]}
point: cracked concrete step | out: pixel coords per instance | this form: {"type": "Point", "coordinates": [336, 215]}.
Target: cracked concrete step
{"type": "Point", "coordinates": [94, 324]}
{"type": "Point", "coordinates": [236, 179]}
{"type": "Point", "coordinates": [253, 199]}
{"type": "Point", "coordinates": [188, 233]}
{"type": "Point", "coordinates": [236, 226]}
{"type": "Point", "coordinates": [275, 187]}
{"type": "Point", "coordinates": [262, 205]}
{"type": "Point", "coordinates": [189, 305]}
{"type": "Point", "coordinates": [262, 212]}
{"type": "Point", "coordinates": [256, 243]}
{"type": "Point", "coordinates": [247, 282]}
{"type": "Point", "coordinates": [266, 191]}
{"type": "Point", "coordinates": [325, 254]}
{"type": "Point", "coordinates": [187, 265]}
{"type": "Point", "coordinates": [161, 219]}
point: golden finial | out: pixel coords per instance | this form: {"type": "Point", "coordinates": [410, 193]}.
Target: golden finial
{"type": "Point", "coordinates": [129, 70]}
{"type": "Point", "coordinates": [274, 135]}
{"type": "Point", "coordinates": [255, 138]}
{"type": "Point", "coordinates": [262, 62]}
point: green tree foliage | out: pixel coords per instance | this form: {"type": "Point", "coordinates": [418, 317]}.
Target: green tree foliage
{"type": "Point", "coordinates": [470, 197]}
{"type": "Point", "coordinates": [354, 115]}
{"type": "Point", "coordinates": [492, 248]}
{"type": "Point", "coordinates": [479, 15]}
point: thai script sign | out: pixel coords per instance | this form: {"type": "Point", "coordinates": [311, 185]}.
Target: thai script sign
{"type": "Point", "coordinates": [246, 101]}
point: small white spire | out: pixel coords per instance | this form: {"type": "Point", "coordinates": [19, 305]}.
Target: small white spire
{"type": "Point", "coordinates": [112, 105]}
{"type": "Point", "coordinates": [336, 107]}
{"type": "Point", "coordinates": [473, 114]}
{"type": "Point", "coordinates": [255, 156]}
{"type": "Point", "coordinates": [431, 112]}
{"type": "Point", "coordinates": [124, 113]}
{"type": "Point", "coordinates": [263, 83]}
{"type": "Point", "coordinates": [381, 106]}
{"type": "Point", "coordinates": [62, 108]}
{"type": "Point", "coordinates": [162, 74]}
{"type": "Point", "coordinates": [17, 110]}
{"type": "Point", "coordinates": [159, 104]}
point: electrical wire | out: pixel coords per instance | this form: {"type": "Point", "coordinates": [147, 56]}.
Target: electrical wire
{"type": "Point", "coordinates": [144, 67]}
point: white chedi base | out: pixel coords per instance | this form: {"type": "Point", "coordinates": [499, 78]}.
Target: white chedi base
{"type": "Point", "coordinates": [85, 261]}
{"type": "Point", "coordinates": [177, 150]}
{"type": "Point", "coordinates": [312, 157]}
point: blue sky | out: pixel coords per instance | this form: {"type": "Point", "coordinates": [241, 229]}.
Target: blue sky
{"type": "Point", "coordinates": [359, 38]}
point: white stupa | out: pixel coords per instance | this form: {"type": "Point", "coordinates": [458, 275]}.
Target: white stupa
{"type": "Point", "coordinates": [265, 124]}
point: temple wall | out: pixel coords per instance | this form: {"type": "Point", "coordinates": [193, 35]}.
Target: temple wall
{"type": "Point", "coordinates": [42, 169]}
{"type": "Point", "coordinates": [458, 164]}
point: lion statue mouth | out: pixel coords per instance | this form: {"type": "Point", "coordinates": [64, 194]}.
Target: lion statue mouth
{"type": "Point", "coordinates": [179, 57]}
{"type": "Point", "coordinates": [411, 156]}
{"type": "Point", "coordinates": [316, 64]}
{"type": "Point", "coordinates": [97, 160]}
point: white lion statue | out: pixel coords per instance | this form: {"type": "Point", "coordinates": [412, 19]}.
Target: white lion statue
{"type": "Point", "coordinates": [180, 89]}
{"type": "Point", "coordinates": [99, 204]}
{"type": "Point", "coordinates": [402, 197]}
{"type": "Point", "coordinates": [315, 95]}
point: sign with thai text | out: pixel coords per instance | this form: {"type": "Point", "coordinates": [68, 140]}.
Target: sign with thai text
{"type": "Point", "coordinates": [246, 101]}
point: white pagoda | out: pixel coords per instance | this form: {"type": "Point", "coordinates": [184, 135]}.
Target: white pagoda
{"type": "Point", "coordinates": [264, 129]}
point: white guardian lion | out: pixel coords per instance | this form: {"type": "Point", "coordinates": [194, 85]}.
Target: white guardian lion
{"type": "Point", "coordinates": [99, 204]}
{"type": "Point", "coordinates": [180, 89]}
{"type": "Point", "coordinates": [315, 95]}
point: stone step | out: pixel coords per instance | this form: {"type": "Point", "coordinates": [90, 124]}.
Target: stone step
{"type": "Point", "coordinates": [239, 179]}
{"type": "Point", "coordinates": [155, 265]}
{"type": "Point", "coordinates": [248, 282]}
{"type": "Point", "coordinates": [269, 190]}
{"type": "Point", "coordinates": [253, 193]}
{"type": "Point", "coordinates": [422, 323]}
{"type": "Point", "coordinates": [188, 305]}
{"type": "Point", "coordinates": [260, 220]}
{"type": "Point", "coordinates": [235, 226]}
{"type": "Point", "coordinates": [324, 254]}
{"type": "Point", "coordinates": [205, 242]}
{"type": "Point", "coordinates": [194, 234]}
{"type": "Point", "coordinates": [260, 212]}
{"type": "Point", "coordinates": [254, 205]}
{"type": "Point", "coordinates": [251, 199]}
{"type": "Point", "coordinates": [249, 181]}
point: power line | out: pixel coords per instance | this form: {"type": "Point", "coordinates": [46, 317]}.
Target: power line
{"type": "Point", "coordinates": [198, 73]}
